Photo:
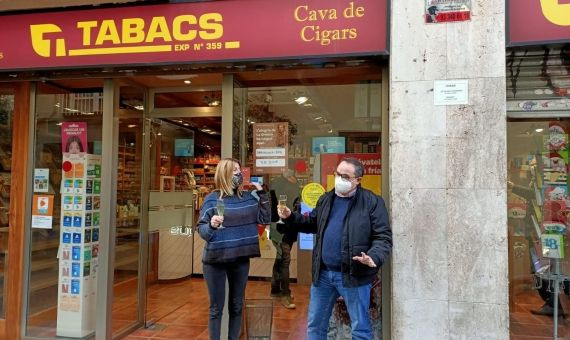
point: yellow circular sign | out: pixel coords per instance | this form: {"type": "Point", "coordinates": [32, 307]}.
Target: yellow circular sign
{"type": "Point", "coordinates": [311, 193]}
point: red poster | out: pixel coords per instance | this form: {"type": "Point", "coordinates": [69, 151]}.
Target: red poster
{"type": "Point", "coordinates": [372, 179]}
{"type": "Point", "coordinates": [196, 31]}
{"type": "Point", "coordinates": [74, 138]}
{"type": "Point", "coordinates": [534, 21]}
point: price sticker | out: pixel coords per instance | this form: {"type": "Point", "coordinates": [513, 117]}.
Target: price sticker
{"type": "Point", "coordinates": [552, 246]}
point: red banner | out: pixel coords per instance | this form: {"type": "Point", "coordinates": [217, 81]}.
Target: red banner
{"type": "Point", "coordinates": [535, 21]}
{"type": "Point", "coordinates": [190, 32]}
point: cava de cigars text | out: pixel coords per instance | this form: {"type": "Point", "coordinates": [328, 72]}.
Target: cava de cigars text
{"type": "Point", "coordinates": [159, 31]}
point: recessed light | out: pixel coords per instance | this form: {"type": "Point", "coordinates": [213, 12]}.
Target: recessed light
{"type": "Point", "coordinates": [301, 100]}
{"type": "Point", "coordinates": [187, 81]}
{"type": "Point", "coordinates": [132, 125]}
{"type": "Point", "coordinates": [539, 130]}
{"type": "Point", "coordinates": [59, 124]}
{"type": "Point", "coordinates": [186, 124]}
{"type": "Point", "coordinates": [159, 134]}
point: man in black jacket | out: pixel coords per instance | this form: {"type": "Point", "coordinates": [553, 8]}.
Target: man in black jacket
{"type": "Point", "coordinates": [353, 224]}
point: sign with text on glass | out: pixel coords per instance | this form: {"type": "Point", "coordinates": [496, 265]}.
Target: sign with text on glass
{"type": "Point", "coordinates": [270, 147]}
{"type": "Point", "coordinates": [194, 31]}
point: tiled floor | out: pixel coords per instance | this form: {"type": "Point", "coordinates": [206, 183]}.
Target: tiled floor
{"type": "Point", "coordinates": [526, 326]}
{"type": "Point", "coordinates": [188, 317]}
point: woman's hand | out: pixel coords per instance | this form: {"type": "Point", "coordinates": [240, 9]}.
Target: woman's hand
{"type": "Point", "coordinates": [257, 186]}
{"type": "Point", "coordinates": [216, 221]}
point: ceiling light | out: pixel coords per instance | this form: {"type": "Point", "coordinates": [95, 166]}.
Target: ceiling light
{"type": "Point", "coordinates": [301, 100]}
{"type": "Point", "coordinates": [214, 103]}
{"type": "Point", "coordinates": [160, 133]}
{"type": "Point", "coordinates": [539, 130]}
{"type": "Point", "coordinates": [139, 107]}
{"type": "Point", "coordinates": [187, 82]}
{"type": "Point", "coordinates": [71, 110]}
{"type": "Point", "coordinates": [132, 125]}
{"type": "Point", "coordinates": [88, 113]}
{"type": "Point", "coordinates": [59, 124]}
{"type": "Point", "coordinates": [186, 124]}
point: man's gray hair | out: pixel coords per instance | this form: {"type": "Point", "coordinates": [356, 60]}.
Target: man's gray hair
{"type": "Point", "coordinates": [358, 167]}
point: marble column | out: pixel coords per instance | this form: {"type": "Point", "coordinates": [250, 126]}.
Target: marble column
{"type": "Point", "coordinates": [448, 176]}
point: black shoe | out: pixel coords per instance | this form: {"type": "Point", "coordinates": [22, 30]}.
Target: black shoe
{"type": "Point", "coordinates": [548, 310]}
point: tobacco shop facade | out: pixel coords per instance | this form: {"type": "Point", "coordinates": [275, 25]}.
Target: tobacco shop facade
{"type": "Point", "coordinates": [114, 117]}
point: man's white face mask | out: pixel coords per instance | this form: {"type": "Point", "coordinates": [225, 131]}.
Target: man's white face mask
{"type": "Point", "coordinates": [342, 186]}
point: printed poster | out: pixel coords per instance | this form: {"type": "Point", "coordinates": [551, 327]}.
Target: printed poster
{"type": "Point", "coordinates": [447, 10]}
{"type": "Point", "coordinates": [372, 179]}
{"type": "Point", "coordinates": [270, 147]}
{"type": "Point", "coordinates": [41, 180]}
{"type": "Point", "coordinates": [42, 211]}
{"type": "Point", "coordinates": [74, 138]}
{"type": "Point", "coordinates": [328, 145]}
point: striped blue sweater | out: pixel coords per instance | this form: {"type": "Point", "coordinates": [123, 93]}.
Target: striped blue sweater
{"type": "Point", "coordinates": [239, 239]}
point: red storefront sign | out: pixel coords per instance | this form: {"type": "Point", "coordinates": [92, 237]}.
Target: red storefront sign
{"type": "Point", "coordinates": [532, 21]}
{"type": "Point", "coordinates": [189, 32]}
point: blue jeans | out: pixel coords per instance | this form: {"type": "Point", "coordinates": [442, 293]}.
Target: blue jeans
{"type": "Point", "coordinates": [323, 297]}
{"type": "Point", "coordinates": [215, 275]}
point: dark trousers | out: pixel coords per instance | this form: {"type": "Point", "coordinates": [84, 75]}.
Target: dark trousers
{"type": "Point", "coordinates": [215, 275]}
{"type": "Point", "coordinates": [280, 278]}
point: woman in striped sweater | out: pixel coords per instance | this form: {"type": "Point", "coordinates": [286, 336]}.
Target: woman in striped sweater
{"type": "Point", "coordinates": [228, 249]}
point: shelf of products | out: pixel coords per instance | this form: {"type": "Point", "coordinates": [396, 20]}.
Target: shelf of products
{"type": "Point", "coordinates": [128, 187]}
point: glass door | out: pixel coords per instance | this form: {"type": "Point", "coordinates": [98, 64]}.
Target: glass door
{"type": "Point", "coordinates": [184, 140]}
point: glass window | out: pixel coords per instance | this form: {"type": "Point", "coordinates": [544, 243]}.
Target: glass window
{"type": "Point", "coordinates": [538, 219]}
{"type": "Point", "coordinates": [66, 201]}
{"type": "Point", "coordinates": [6, 116]}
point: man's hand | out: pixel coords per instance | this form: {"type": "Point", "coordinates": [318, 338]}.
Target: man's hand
{"type": "Point", "coordinates": [283, 211]}
{"type": "Point", "coordinates": [216, 221]}
{"type": "Point", "coordinates": [365, 259]}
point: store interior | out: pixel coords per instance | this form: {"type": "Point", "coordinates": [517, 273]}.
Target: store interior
{"type": "Point", "coordinates": [183, 129]}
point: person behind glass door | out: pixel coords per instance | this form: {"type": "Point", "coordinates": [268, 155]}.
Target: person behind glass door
{"type": "Point", "coordinates": [286, 184]}
{"type": "Point", "coordinates": [227, 251]}
{"type": "Point", "coordinates": [353, 240]}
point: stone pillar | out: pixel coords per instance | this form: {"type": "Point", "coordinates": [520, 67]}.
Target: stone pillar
{"type": "Point", "coordinates": [448, 176]}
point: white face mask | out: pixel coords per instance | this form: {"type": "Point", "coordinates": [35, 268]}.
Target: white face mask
{"type": "Point", "coordinates": [341, 186]}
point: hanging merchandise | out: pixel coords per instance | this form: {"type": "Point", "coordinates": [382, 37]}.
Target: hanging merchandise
{"type": "Point", "coordinates": [79, 244]}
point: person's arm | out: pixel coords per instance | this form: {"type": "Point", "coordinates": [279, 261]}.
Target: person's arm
{"type": "Point", "coordinates": [381, 233]}
{"type": "Point", "coordinates": [204, 226]}
{"type": "Point", "coordinates": [264, 213]}
{"type": "Point", "coordinates": [301, 223]}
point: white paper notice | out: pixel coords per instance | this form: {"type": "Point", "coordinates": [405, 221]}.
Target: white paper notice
{"type": "Point", "coordinates": [451, 92]}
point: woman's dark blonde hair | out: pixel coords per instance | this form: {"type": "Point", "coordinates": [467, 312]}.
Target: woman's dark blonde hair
{"type": "Point", "coordinates": [223, 177]}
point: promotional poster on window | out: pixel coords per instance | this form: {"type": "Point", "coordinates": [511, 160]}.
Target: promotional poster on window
{"type": "Point", "coordinates": [372, 179]}
{"type": "Point", "coordinates": [74, 138]}
{"type": "Point", "coordinates": [270, 147]}
{"type": "Point", "coordinates": [438, 11]}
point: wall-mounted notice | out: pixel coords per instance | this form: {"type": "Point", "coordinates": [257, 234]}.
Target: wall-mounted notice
{"type": "Point", "coordinates": [447, 10]}
{"type": "Point", "coordinates": [270, 147]}
{"type": "Point", "coordinates": [79, 244]}
{"type": "Point", "coordinates": [42, 211]}
{"type": "Point", "coordinates": [451, 92]}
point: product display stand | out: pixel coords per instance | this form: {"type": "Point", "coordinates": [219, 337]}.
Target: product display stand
{"type": "Point", "coordinates": [79, 245]}
{"type": "Point", "coordinates": [557, 279]}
